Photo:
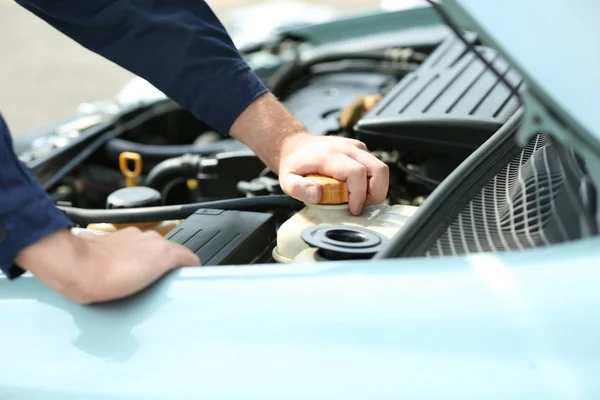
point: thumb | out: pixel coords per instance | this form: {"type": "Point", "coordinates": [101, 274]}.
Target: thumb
{"type": "Point", "coordinates": [301, 188]}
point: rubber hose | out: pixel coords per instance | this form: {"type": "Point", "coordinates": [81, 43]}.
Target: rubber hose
{"type": "Point", "coordinates": [154, 154]}
{"type": "Point", "coordinates": [84, 216]}
{"type": "Point", "coordinates": [186, 166]}
{"type": "Point", "coordinates": [292, 71]}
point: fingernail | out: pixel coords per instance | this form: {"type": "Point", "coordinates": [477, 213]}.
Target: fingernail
{"type": "Point", "coordinates": [357, 210]}
{"type": "Point", "coordinates": [311, 194]}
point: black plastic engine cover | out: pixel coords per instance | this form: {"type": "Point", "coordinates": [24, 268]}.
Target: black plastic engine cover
{"type": "Point", "coordinates": [453, 102]}
{"type": "Point", "coordinates": [220, 237]}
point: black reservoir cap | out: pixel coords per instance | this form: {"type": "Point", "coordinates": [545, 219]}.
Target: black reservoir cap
{"type": "Point", "coordinates": [134, 197]}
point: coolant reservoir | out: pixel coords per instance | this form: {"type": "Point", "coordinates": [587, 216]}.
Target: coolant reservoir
{"type": "Point", "coordinates": [377, 221]}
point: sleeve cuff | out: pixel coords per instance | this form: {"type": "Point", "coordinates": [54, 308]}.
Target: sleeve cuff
{"type": "Point", "coordinates": [26, 226]}
{"type": "Point", "coordinates": [236, 89]}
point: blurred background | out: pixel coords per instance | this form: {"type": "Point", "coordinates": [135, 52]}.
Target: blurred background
{"type": "Point", "coordinates": [44, 75]}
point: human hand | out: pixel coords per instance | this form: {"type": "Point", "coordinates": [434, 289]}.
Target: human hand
{"type": "Point", "coordinates": [282, 142]}
{"type": "Point", "coordinates": [344, 159]}
{"type": "Point", "coordinates": [97, 268]}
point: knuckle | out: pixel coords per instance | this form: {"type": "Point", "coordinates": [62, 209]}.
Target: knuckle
{"type": "Point", "coordinates": [359, 170]}
{"type": "Point", "coordinates": [382, 169]}
{"type": "Point", "coordinates": [358, 144]}
{"type": "Point", "coordinates": [175, 252]}
{"type": "Point", "coordinates": [131, 230]}
{"type": "Point", "coordinates": [166, 248]}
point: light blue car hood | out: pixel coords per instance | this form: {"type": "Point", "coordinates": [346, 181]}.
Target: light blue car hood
{"type": "Point", "coordinates": [555, 46]}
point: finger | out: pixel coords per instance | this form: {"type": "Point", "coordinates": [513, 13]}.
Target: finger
{"type": "Point", "coordinates": [342, 167]}
{"type": "Point", "coordinates": [301, 188]}
{"type": "Point", "coordinates": [378, 174]}
{"type": "Point", "coordinates": [358, 144]}
{"type": "Point", "coordinates": [181, 256]}
{"type": "Point", "coordinates": [152, 235]}
{"type": "Point", "coordinates": [176, 254]}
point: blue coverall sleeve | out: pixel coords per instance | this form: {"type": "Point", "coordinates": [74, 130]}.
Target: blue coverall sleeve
{"type": "Point", "coordinates": [177, 45]}
{"type": "Point", "coordinates": [26, 212]}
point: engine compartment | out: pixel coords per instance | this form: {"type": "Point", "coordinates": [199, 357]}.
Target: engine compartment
{"type": "Point", "coordinates": [422, 110]}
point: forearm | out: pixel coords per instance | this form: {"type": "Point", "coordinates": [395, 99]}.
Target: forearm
{"type": "Point", "coordinates": [265, 126]}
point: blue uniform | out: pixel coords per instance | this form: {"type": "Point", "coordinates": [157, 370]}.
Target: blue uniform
{"type": "Point", "coordinates": [177, 45]}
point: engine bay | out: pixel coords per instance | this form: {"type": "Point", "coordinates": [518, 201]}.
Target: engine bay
{"type": "Point", "coordinates": [422, 110]}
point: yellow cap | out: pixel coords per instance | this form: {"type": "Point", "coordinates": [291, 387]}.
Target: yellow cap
{"type": "Point", "coordinates": [355, 110]}
{"type": "Point", "coordinates": [334, 191]}
{"type": "Point", "coordinates": [192, 184]}
{"type": "Point", "coordinates": [130, 175]}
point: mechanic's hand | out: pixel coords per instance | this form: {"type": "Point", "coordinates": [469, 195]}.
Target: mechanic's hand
{"type": "Point", "coordinates": [344, 159]}
{"type": "Point", "coordinates": [97, 268]}
{"type": "Point", "coordinates": [283, 144]}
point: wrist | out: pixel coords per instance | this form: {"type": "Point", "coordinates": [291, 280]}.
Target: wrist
{"type": "Point", "coordinates": [58, 260]}
{"type": "Point", "coordinates": [287, 143]}
{"type": "Point", "coordinates": [283, 144]}
{"type": "Point", "coordinates": [61, 242]}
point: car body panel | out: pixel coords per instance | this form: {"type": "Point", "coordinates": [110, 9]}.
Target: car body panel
{"type": "Point", "coordinates": [352, 27]}
{"type": "Point", "coordinates": [554, 46]}
{"type": "Point", "coordinates": [520, 325]}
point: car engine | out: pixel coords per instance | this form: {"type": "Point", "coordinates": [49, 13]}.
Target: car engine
{"type": "Point", "coordinates": [423, 110]}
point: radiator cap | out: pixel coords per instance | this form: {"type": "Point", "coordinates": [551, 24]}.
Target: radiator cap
{"type": "Point", "coordinates": [334, 191]}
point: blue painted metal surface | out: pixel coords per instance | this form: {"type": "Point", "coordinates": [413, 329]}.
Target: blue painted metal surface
{"type": "Point", "coordinates": [356, 27]}
{"type": "Point", "coordinates": [517, 326]}
{"type": "Point", "coordinates": [556, 44]}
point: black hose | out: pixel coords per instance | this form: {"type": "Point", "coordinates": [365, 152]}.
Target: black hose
{"type": "Point", "coordinates": [154, 154]}
{"type": "Point", "coordinates": [186, 166]}
{"type": "Point", "coordinates": [421, 177]}
{"type": "Point", "coordinates": [273, 43]}
{"type": "Point", "coordinates": [389, 70]}
{"type": "Point", "coordinates": [82, 216]}
{"type": "Point", "coordinates": [294, 70]}
{"type": "Point", "coordinates": [96, 144]}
